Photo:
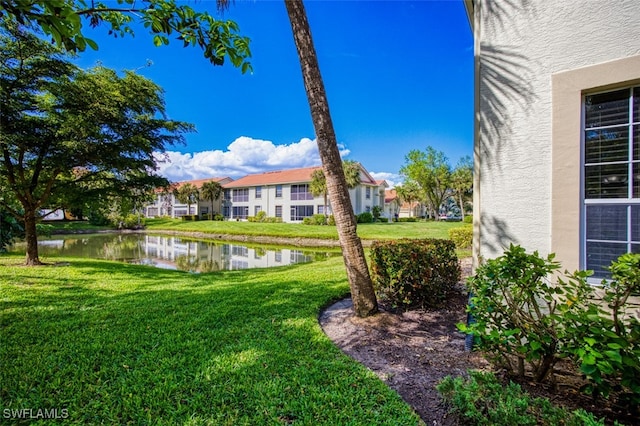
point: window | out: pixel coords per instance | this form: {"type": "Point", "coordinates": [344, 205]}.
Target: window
{"type": "Point", "coordinates": [227, 194]}
{"type": "Point", "coordinates": [258, 192]}
{"type": "Point", "coordinates": [240, 212]}
{"type": "Point", "coordinates": [240, 195]}
{"type": "Point", "coordinates": [611, 182]}
{"type": "Point", "coordinates": [239, 251]}
{"type": "Point", "coordinates": [321, 209]}
{"type": "Point", "coordinates": [278, 211]}
{"type": "Point", "coordinates": [367, 193]}
{"type": "Point", "coordinates": [256, 210]}
{"type": "Point", "coordinates": [300, 212]}
{"type": "Point", "coordinates": [301, 192]}
{"type": "Point", "coordinates": [278, 191]}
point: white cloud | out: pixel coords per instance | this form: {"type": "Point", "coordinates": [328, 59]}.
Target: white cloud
{"type": "Point", "coordinates": [243, 156]}
{"type": "Point", "coordinates": [393, 179]}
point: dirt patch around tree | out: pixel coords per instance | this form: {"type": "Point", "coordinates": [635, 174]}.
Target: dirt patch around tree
{"type": "Point", "coordinates": [412, 351]}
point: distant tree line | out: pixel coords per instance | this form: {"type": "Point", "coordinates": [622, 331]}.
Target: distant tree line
{"type": "Point", "coordinates": [430, 180]}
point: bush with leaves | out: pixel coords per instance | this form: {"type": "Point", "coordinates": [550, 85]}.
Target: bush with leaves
{"type": "Point", "coordinates": [411, 273]}
{"type": "Point", "coordinates": [461, 236]}
{"type": "Point", "coordinates": [316, 219]}
{"type": "Point", "coordinates": [10, 229]}
{"type": "Point", "coordinates": [365, 217]}
{"type": "Point", "coordinates": [376, 211]}
{"type": "Point", "coordinates": [606, 336]}
{"type": "Point", "coordinates": [519, 313]}
{"type": "Point", "coordinates": [483, 400]}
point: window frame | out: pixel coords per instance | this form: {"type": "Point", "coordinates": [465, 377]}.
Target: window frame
{"type": "Point", "coordinates": [295, 212]}
{"type": "Point", "coordinates": [567, 91]}
{"type": "Point", "coordinates": [628, 202]}
{"type": "Point", "coordinates": [301, 192]}
{"type": "Point", "coordinates": [240, 195]}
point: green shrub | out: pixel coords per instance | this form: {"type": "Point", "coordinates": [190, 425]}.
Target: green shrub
{"type": "Point", "coordinates": [131, 221]}
{"type": "Point", "coordinates": [407, 219]}
{"type": "Point", "coordinates": [331, 221]}
{"type": "Point", "coordinates": [411, 273]}
{"type": "Point", "coordinates": [519, 315]}
{"type": "Point", "coordinates": [376, 211]}
{"type": "Point", "coordinates": [606, 339]}
{"type": "Point", "coordinates": [44, 229]}
{"type": "Point", "coordinates": [316, 219]}
{"type": "Point", "coordinates": [190, 217]}
{"type": "Point", "coordinates": [365, 217]}
{"type": "Point", "coordinates": [207, 216]}
{"type": "Point", "coordinates": [462, 237]}
{"type": "Point", "coordinates": [468, 219]}
{"type": "Point", "coordinates": [383, 219]}
{"type": "Point", "coordinates": [218, 217]}
{"type": "Point", "coordinates": [483, 400]}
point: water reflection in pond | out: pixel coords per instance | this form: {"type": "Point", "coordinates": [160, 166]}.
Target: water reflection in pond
{"type": "Point", "coordinates": [173, 252]}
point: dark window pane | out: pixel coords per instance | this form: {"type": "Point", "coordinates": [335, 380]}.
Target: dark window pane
{"type": "Point", "coordinates": [635, 223]}
{"type": "Point", "coordinates": [607, 145]}
{"type": "Point", "coordinates": [607, 181]}
{"type": "Point", "coordinates": [636, 142]}
{"type": "Point", "coordinates": [636, 105]}
{"type": "Point", "coordinates": [607, 109]}
{"type": "Point", "coordinates": [600, 256]}
{"type": "Point", "coordinates": [636, 181]}
{"type": "Point", "coordinates": [607, 223]}
{"type": "Point", "coordinates": [635, 248]}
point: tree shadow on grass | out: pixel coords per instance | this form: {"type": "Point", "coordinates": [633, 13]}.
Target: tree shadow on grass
{"type": "Point", "coordinates": [221, 348]}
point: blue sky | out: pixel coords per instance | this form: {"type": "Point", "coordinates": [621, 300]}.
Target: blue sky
{"type": "Point", "coordinates": [398, 75]}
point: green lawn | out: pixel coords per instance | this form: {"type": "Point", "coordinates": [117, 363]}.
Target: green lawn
{"type": "Point", "coordinates": [367, 231]}
{"type": "Point", "coordinates": [125, 344]}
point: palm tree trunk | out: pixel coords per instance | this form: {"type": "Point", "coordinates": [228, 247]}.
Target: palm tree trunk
{"type": "Point", "coordinates": [362, 293]}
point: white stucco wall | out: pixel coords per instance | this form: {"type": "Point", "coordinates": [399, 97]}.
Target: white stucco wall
{"type": "Point", "coordinates": [519, 46]}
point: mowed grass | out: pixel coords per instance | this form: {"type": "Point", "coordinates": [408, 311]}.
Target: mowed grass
{"type": "Point", "coordinates": [366, 231]}
{"type": "Point", "coordinates": [115, 343]}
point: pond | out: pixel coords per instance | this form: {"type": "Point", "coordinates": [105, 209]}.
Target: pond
{"type": "Point", "coordinates": [170, 252]}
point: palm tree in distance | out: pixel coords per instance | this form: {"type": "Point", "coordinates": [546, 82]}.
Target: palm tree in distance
{"type": "Point", "coordinates": [187, 194]}
{"type": "Point", "coordinates": [318, 184]}
{"type": "Point", "coordinates": [362, 292]}
{"type": "Point", "coordinates": [212, 191]}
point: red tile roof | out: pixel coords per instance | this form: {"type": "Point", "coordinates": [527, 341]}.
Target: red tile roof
{"type": "Point", "coordinates": [287, 176]}
{"type": "Point", "coordinates": [197, 182]}
{"type": "Point", "coordinates": [390, 195]}
{"type": "Point", "coordinates": [274, 178]}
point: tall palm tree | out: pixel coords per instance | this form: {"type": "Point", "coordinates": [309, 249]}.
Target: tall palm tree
{"type": "Point", "coordinates": [362, 293]}
{"type": "Point", "coordinates": [318, 184]}
{"type": "Point", "coordinates": [212, 191]}
{"type": "Point", "coordinates": [351, 173]}
{"type": "Point", "coordinates": [187, 194]}
{"type": "Point", "coordinates": [409, 192]}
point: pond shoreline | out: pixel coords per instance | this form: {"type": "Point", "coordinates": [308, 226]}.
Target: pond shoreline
{"type": "Point", "coordinates": [260, 239]}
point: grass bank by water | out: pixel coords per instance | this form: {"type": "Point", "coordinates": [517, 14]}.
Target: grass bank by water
{"type": "Point", "coordinates": [113, 343]}
{"type": "Point", "coordinates": [366, 231]}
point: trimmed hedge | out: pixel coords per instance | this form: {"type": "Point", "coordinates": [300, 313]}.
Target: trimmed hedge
{"type": "Point", "coordinates": [462, 236]}
{"type": "Point", "coordinates": [364, 217]}
{"type": "Point", "coordinates": [316, 219]}
{"type": "Point", "coordinates": [414, 273]}
{"type": "Point", "coordinates": [407, 219]}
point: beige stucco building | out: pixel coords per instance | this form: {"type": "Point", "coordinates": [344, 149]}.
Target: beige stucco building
{"type": "Point", "coordinates": [557, 129]}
